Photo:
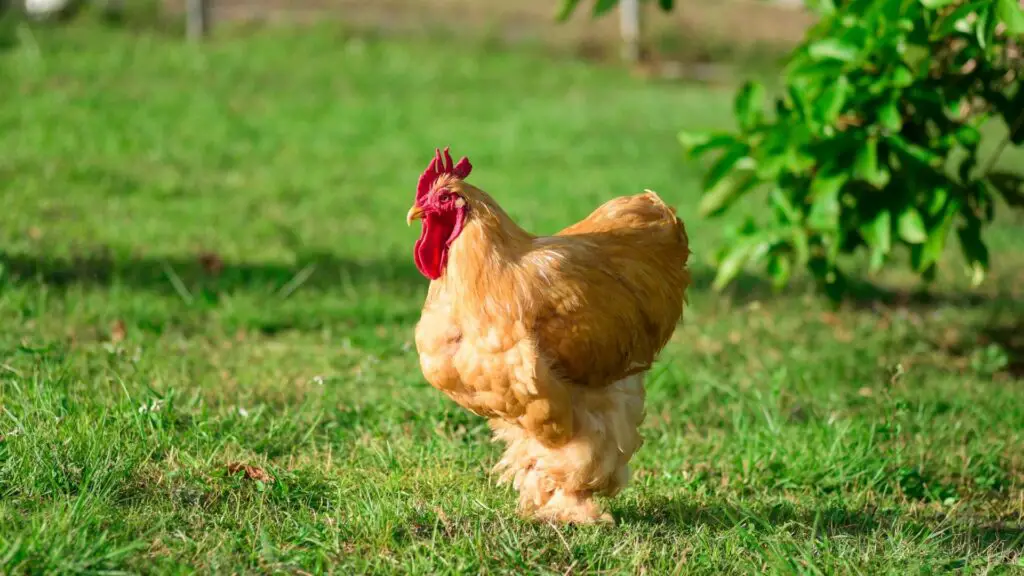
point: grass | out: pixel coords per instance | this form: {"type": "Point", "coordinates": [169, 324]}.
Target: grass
{"type": "Point", "coordinates": [205, 268]}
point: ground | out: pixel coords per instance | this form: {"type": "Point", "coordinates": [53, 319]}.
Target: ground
{"type": "Point", "coordinates": [207, 297]}
{"type": "Point", "coordinates": [695, 27]}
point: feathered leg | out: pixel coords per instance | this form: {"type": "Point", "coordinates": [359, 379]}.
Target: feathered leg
{"type": "Point", "coordinates": [559, 483]}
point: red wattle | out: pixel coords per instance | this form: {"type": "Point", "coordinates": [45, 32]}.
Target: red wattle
{"type": "Point", "coordinates": [432, 247]}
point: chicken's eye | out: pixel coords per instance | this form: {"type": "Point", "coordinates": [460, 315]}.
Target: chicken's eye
{"type": "Point", "coordinates": [445, 198]}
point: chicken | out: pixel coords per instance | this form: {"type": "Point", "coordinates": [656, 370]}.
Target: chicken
{"type": "Point", "coordinates": [548, 338]}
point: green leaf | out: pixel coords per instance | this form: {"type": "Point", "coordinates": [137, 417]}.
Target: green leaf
{"type": "Point", "coordinates": [866, 165]}
{"type": "Point", "coordinates": [981, 28]}
{"type": "Point", "coordinates": [789, 146]}
{"type": "Point", "coordinates": [917, 58]}
{"type": "Point", "coordinates": [568, 7]}
{"type": "Point", "coordinates": [876, 260]}
{"type": "Point", "coordinates": [889, 116]}
{"type": "Point", "coordinates": [974, 251]}
{"type": "Point", "coordinates": [830, 105]}
{"type": "Point", "coordinates": [602, 6]}
{"type": "Point", "coordinates": [936, 3]}
{"type": "Point", "coordinates": [882, 178]}
{"type": "Point", "coordinates": [698, 144]}
{"type": "Point", "coordinates": [749, 105]}
{"type": "Point", "coordinates": [911, 226]}
{"type": "Point", "coordinates": [867, 160]}
{"type": "Point", "coordinates": [886, 10]}
{"type": "Point", "coordinates": [968, 136]}
{"type": "Point", "coordinates": [957, 19]}
{"type": "Point", "coordinates": [902, 77]}
{"type": "Point", "coordinates": [785, 206]}
{"type": "Point", "coordinates": [938, 200]}
{"type": "Point", "coordinates": [832, 49]}
{"type": "Point", "coordinates": [690, 140]}
{"type": "Point", "coordinates": [726, 191]}
{"type": "Point", "coordinates": [798, 161]}
{"type": "Point", "coordinates": [932, 249]}
{"type": "Point", "coordinates": [914, 152]}
{"type": "Point", "coordinates": [823, 7]}
{"type": "Point", "coordinates": [878, 236]}
{"type": "Point", "coordinates": [801, 246]}
{"type": "Point", "coordinates": [881, 231]}
{"type": "Point", "coordinates": [798, 95]}
{"type": "Point", "coordinates": [825, 189]}
{"type": "Point", "coordinates": [1010, 14]}
{"type": "Point", "coordinates": [666, 5]}
{"type": "Point", "coordinates": [744, 250]}
{"type": "Point", "coordinates": [771, 165]}
{"type": "Point", "coordinates": [725, 163]}
{"type": "Point", "coordinates": [780, 269]}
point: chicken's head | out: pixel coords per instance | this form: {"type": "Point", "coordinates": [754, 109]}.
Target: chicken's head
{"type": "Point", "coordinates": [442, 209]}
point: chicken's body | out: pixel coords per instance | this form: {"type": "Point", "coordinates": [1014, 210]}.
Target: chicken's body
{"type": "Point", "coordinates": [549, 338]}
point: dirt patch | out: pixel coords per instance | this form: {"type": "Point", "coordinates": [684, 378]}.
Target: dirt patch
{"type": "Point", "coordinates": [740, 22]}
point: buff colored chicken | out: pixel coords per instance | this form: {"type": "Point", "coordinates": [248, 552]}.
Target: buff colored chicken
{"type": "Point", "coordinates": [548, 337]}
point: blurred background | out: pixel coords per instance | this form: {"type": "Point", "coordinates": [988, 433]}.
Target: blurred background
{"type": "Point", "coordinates": [720, 27]}
{"type": "Point", "coordinates": [248, 132]}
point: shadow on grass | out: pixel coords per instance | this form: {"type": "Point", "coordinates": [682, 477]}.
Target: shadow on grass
{"type": "Point", "coordinates": [1011, 339]}
{"type": "Point", "coordinates": [312, 270]}
{"type": "Point", "coordinates": [208, 274]}
{"type": "Point", "coordinates": [831, 521]}
{"type": "Point", "coordinates": [749, 288]}
{"type": "Point", "coordinates": [1005, 333]}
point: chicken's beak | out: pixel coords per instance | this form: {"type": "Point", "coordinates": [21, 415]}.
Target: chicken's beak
{"type": "Point", "coordinates": [415, 213]}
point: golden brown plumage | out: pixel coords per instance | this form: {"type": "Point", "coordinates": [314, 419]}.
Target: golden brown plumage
{"type": "Point", "coordinates": [549, 337]}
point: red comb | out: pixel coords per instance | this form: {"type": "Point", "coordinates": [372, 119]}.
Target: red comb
{"type": "Point", "coordinates": [438, 166]}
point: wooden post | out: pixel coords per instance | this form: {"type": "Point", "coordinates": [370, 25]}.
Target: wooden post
{"type": "Point", "coordinates": [629, 30]}
{"type": "Point", "coordinates": [197, 19]}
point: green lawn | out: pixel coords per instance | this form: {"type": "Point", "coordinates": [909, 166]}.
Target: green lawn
{"type": "Point", "coordinates": [204, 264]}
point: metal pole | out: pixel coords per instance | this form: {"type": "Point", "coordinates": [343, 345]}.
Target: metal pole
{"type": "Point", "coordinates": [629, 30]}
{"type": "Point", "coordinates": [197, 19]}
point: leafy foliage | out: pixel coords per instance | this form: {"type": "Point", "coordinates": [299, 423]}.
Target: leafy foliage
{"type": "Point", "coordinates": [874, 142]}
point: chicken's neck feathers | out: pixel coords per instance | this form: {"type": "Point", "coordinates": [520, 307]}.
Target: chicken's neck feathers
{"type": "Point", "coordinates": [484, 272]}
